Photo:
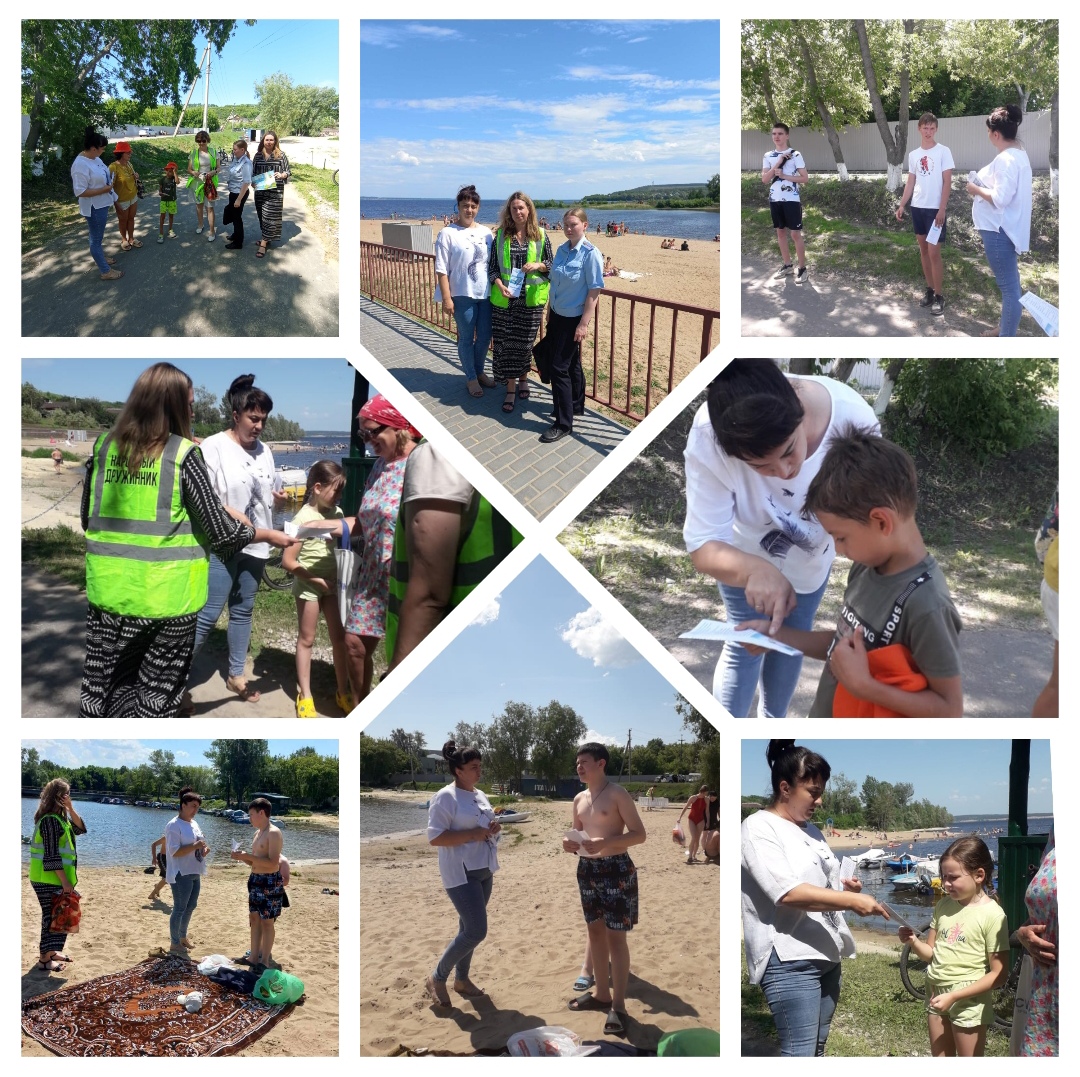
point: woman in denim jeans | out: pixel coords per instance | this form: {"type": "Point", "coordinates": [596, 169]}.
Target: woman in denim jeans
{"type": "Point", "coordinates": [185, 865]}
{"type": "Point", "coordinates": [793, 903]}
{"type": "Point", "coordinates": [1001, 211]}
{"type": "Point", "coordinates": [753, 449]}
{"type": "Point", "coordinates": [461, 261]}
{"type": "Point", "coordinates": [92, 184]}
{"type": "Point", "coordinates": [462, 826]}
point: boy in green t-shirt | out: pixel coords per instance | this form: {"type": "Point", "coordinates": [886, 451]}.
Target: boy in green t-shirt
{"type": "Point", "coordinates": [167, 193]}
{"type": "Point", "coordinates": [865, 495]}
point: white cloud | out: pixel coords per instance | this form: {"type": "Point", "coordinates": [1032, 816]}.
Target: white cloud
{"type": "Point", "coordinates": [593, 637]}
{"type": "Point", "coordinates": [104, 753]}
{"type": "Point", "coordinates": [643, 79]}
{"type": "Point", "coordinates": [488, 613]}
{"type": "Point", "coordinates": [599, 738]}
{"type": "Point", "coordinates": [404, 158]}
{"type": "Point", "coordinates": [686, 104]}
{"type": "Point", "coordinates": [393, 35]}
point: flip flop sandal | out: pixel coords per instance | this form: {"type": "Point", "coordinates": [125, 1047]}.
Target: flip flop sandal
{"type": "Point", "coordinates": [583, 983]}
{"type": "Point", "coordinates": [110, 260]}
{"type": "Point", "coordinates": [240, 687]}
{"type": "Point", "coordinates": [522, 391]}
{"type": "Point", "coordinates": [245, 960]}
{"type": "Point", "coordinates": [50, 966]}
{"type": "Point", "coordinates": [136, 243]}
{"type": "Point", "coordinates": [616, 1022]}
{"type": "Point", "coordinates": [125, 246]}
{"type": "Point", "coordinates": [508, 403]}
{"type": "Point", "coordinates": [475, 393]}
{"type": "Point", "coordinates": [344, 702]}
{"type": "Point", "coordinates": [588, 1002]}
{"type": "Point", "coordinates": [160, 951]}
{"type": "Point", "coordinates": [432, 990]}
{"type": "Point", "coordinates": [113, 274]}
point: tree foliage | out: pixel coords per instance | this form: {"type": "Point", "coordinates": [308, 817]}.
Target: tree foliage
{"type": "Point", "coordinates": [379, 759]}
{"type": "Point", "coordinates": [559, 730]}
{"type": "Point", "coordinates": [73, 68]}
{"type": "Point", "coordinates": [295, 110]}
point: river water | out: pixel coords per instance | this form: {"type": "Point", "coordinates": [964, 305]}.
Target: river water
{"type": "Point", "coordinates": [379, 816]}
{"type": "Point", "coordinates": [120, 835]}
{"type": "Point", "coordinates": [682, 223]}
{"type": "Point", "coordinates": [878, 881]}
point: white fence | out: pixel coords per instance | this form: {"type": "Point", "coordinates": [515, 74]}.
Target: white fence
{"type": "Point", "coordinates": [866, 373]}
{"type": "Point", "coordinates": [865, 152]}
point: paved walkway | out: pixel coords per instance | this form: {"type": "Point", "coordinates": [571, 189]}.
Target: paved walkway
{"type": "Point", "coordinates": [53, 648]}
{"type": "Point", "coordinates": [184, 286]}
{"type": "Point", "coordinates": [1004, 670]}
{"type": "Point", "coordinates": [426, 363]}
{"type": "Point", "coordinates": [826, 308]}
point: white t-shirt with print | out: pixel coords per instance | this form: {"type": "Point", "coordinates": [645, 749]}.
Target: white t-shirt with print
{"type": "Point", "coordinates": [462, 254]}
{"type": "Point", "coordinates": [783, 190]}
{"type": "Point", "coordinates": [728, 501]}
{"type": "Point", "coordinates": [454, 808]}
{"type": "Point", "coordinates": [243, 480]}
{"type": "Point", "coordinates": [929, 168]}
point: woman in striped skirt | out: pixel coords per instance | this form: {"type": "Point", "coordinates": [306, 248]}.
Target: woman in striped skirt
{"type": "Point", "coordinates": [52, 865]}
{"type": "Point", "coordinates": [268, 203]}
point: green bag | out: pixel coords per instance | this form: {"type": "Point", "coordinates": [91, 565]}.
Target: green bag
{"type": "Point", "coordinates": [278, 988]}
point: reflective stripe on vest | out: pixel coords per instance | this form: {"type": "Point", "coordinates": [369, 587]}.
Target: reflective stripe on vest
{"type": "Point", "coordinates": [66, 848]}
{"type": "Point", "coordinates": [143, 557]}
{"type": "Point", "coordinates": [536, 284]}
{"type": "Point", "coordinates": [487, 537]}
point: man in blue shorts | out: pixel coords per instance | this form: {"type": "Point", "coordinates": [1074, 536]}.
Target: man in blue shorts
{"type": "Point", "coordinates": [929, 181]}
{"type": "Point", "coordinates": [783, 169]}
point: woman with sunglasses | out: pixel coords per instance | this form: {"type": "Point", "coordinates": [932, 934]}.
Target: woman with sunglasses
{"type": "Point", "coordinates": [461, 261]}
{"type": "Point", "coordinates": [202, 168]}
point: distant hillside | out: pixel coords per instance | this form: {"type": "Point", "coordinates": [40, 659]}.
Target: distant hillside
{"type": "Point", "coordinates": [651, 192]}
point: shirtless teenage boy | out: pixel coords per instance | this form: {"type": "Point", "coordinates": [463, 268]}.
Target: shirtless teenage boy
{"type": "Point", "coordinates": [265, 886]}
{"type": "Point", "coordinates": [607, 880]}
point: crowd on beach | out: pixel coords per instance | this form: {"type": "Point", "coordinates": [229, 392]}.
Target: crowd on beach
{"type": "Point", "coordinates": [160, 570]}
{"type": "Point", "coordinates": [795, 895]}
{"type": "Point", "coordinates": [213, 175]}
{"type": "Point", "coordinates": [465, 829]}
{"type": "Point", "coordinates": [180, 857]}
{"type": "Point", "coordinates": [1000, 207]}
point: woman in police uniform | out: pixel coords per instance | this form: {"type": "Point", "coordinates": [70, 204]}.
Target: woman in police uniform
{"type": "Point", "coordinates": [520, 243]}
{"type": "Point", "coordinates": [151, 519]}
{"type": "Point", "coordinates": [577, 279]}
{"type": "Point", "coordinates": [52, 865]}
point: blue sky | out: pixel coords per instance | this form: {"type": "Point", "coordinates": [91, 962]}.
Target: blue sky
{"type": "Point", "coordinates": [539, 641]}
{"type": "Point", "coordinates": [558, 109]}
{"type": "Point", "coordinates": [969, 777]}
{"type": "Point", "coordinates": [132, 753]}
{"type": "Point", "coordinates": [306, 51]}
{"type": "Point", "coordinates": [316, 393]}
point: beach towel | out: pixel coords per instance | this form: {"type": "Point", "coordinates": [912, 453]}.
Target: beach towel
{"type": "Point", "coordinates": [892, 664]}
{"type": "Point", "coordinates": [134, 1013]}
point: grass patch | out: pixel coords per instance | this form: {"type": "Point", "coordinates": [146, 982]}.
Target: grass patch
{"type": "Point", "coordinates": [46, 454]}
{"type": "Point", "coordinates": [60, 550]}
{"type": "Point", "coordinates": [852, 235]}
{"type": "Point", "coordinates": [874, 1017]}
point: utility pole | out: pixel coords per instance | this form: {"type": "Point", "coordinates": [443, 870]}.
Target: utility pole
{"type": "Point", "coordinates": [191, 89]}
{"type": "Point", "coordinates": [206, 93]}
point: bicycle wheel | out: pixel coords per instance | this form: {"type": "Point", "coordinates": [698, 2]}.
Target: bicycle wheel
{"type": "Point", "coordinates": [274, 576]}
{"type": "Point", "coordinates": [913, 972]}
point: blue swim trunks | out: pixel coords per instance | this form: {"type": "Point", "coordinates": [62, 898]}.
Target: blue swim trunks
{"type": "Point", "coordinates": [264, 895]}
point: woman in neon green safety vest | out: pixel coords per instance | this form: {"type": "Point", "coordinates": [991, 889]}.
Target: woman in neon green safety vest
{"type": "Point", "coordinates": [151, 519]}
{"type": "Point", "coordinates": [521, 249]}
{"type": "Point", "coordinates": [52, 865]}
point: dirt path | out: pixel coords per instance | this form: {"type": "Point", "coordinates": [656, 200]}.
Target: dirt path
{"type": "Point", "coordinates": [185, 286]}
{"type": "Point", "coordinates": [825, 307]}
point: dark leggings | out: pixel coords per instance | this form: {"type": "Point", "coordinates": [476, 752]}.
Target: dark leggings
{"type": "Point", "coordinates": [234, 215]}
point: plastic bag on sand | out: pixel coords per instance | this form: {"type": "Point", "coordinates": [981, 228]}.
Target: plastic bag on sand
{"type": "Point", "coordinates": [548, 1041]}
{"type": "Point", "coordinates": [677, 835]}
{"type": "Point", "coordinates": [212, 962]}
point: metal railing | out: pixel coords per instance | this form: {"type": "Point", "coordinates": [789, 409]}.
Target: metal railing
{"type": "Point", "coordinates": [630, 372]}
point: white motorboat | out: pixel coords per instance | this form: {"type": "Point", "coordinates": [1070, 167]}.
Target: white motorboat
{"type": "Point", "coordinates": [872, 858]}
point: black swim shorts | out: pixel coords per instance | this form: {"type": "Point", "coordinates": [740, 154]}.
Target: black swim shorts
{"type": "Point", "coordinates": [786, 215]}
{"type": "Point", "coordinates": [264, 895]}
{"type": "Point", "coordinates": [609, 890]}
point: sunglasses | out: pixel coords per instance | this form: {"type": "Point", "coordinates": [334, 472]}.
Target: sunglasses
{"type": "Point", "coordinates": [201, 141]}
{"type": "Point", "coordinates": [371, 435]}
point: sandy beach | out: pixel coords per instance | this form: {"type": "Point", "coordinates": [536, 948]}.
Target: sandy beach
{"type": "Point", "coordinates": [120, 925]}
{"type": "Point", "coordinates": [691, 277]}
{"type": "Point", "coordinates": [904, 837]}
{"type": "Point", "coordinates": [42, 487]}
{"type": "Point", "coordinates": [535, 942]}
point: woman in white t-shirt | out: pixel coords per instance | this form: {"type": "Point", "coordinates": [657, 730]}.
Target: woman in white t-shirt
{"type": "Point", "coordinates": [185, 865]}
{"type": "Point", "coordinates": [461, 260]}
{"type": "Point", "coordinates": [793, 903]}
{"type": "Point", "coordinates": [463, 827]}
{"type": "Point", "coordinates": [92, 183]}
{"type": "Point", "coordinates": [753, 449]}
{"type": "Point", "coordinates": [241, 469]}
{"type": "Point", "coordinates": [1001, 211]}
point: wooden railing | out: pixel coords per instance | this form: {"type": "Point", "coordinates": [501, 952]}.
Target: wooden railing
{"type": "Point", "coordinates": [630, 370]}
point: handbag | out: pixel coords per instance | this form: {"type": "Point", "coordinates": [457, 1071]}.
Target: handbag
{"type": "Point", "coordinates": [140, 189]}
{"type": "Point", "coordinates": [209, 188]}
{"type": "Point", "coordinates": [348, 572]}
{"type": "Point", "coordinates": [542, 357]}
{"type": "Point", "coordinates": [66, 914]}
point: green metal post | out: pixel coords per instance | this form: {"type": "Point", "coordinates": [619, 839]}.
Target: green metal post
{"type": "Point", "coordinates": [1019, 769]}
{"type": "Point", "coordinates": [354, 465]}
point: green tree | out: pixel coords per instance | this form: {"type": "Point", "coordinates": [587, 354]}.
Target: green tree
{"type": "Point", "coordinates": [379, 759]}
{"type": "Point", "coordinates": [411, 745]}
{"type": "Point", "coordinates": [72, 69]}
{"type": "Point", "coordinates": [467, 733]}
{"type": "Point", "coordinates": [207, 411]}
{"type": "Point", "coordinates": [559, 730]}
{"type": "Point", "coordinates": [510, 738]}
{"type": "Point", "coordinates": [163, 763]}
{"type": "Point", "coordinates": [238, 765]}
{"type": "Point", "coordinates": [714, 188]}
{"type": "Point", "coordinates": [31, 768]}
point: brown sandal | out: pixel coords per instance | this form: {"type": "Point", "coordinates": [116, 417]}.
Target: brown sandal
{"type": "Point", "coordinates": [239, 685]}
{"type": "Point", "coordinates": [262, 249]}
{"type": "Point", "coordinates": [113, 274]}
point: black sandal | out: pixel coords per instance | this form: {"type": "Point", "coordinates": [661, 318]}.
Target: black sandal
{"type": "Point", "coordinates": [588, 1002]}
{"type": "Point", "coordinates": [615, 1025]}
{"type": "Point", "coordinates": [508, 403]}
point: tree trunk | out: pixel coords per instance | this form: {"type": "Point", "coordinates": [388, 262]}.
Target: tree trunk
{"type": "Point", "coordinates": [843, 369]}
{"type": "Point", "coordinates": [34, 133]}
{"type": "Point", "coordinates": [766, 90]}
{"type": "Point", "coordinates": [892, 376]}
{"type": "Point", "coordinates": [1054, 144]}
{"type": "Point", "coordinates": [1024, 95]}
{"type": "Point", "coordinates": [819, 104]}
{"type": "Point", "coordinates": [895, 142]}
{"type": "Point", "coordinates": [801, 366]}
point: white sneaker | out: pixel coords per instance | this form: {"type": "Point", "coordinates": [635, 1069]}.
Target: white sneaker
{"type": "Point", "coordinates": [160, 238]}
{"type": "Point", "coordinates": [172, 234]}
{"type": "Point", "coordinates": [198, 231]}
{"type": "Point", "coordinates": [210, 238]}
